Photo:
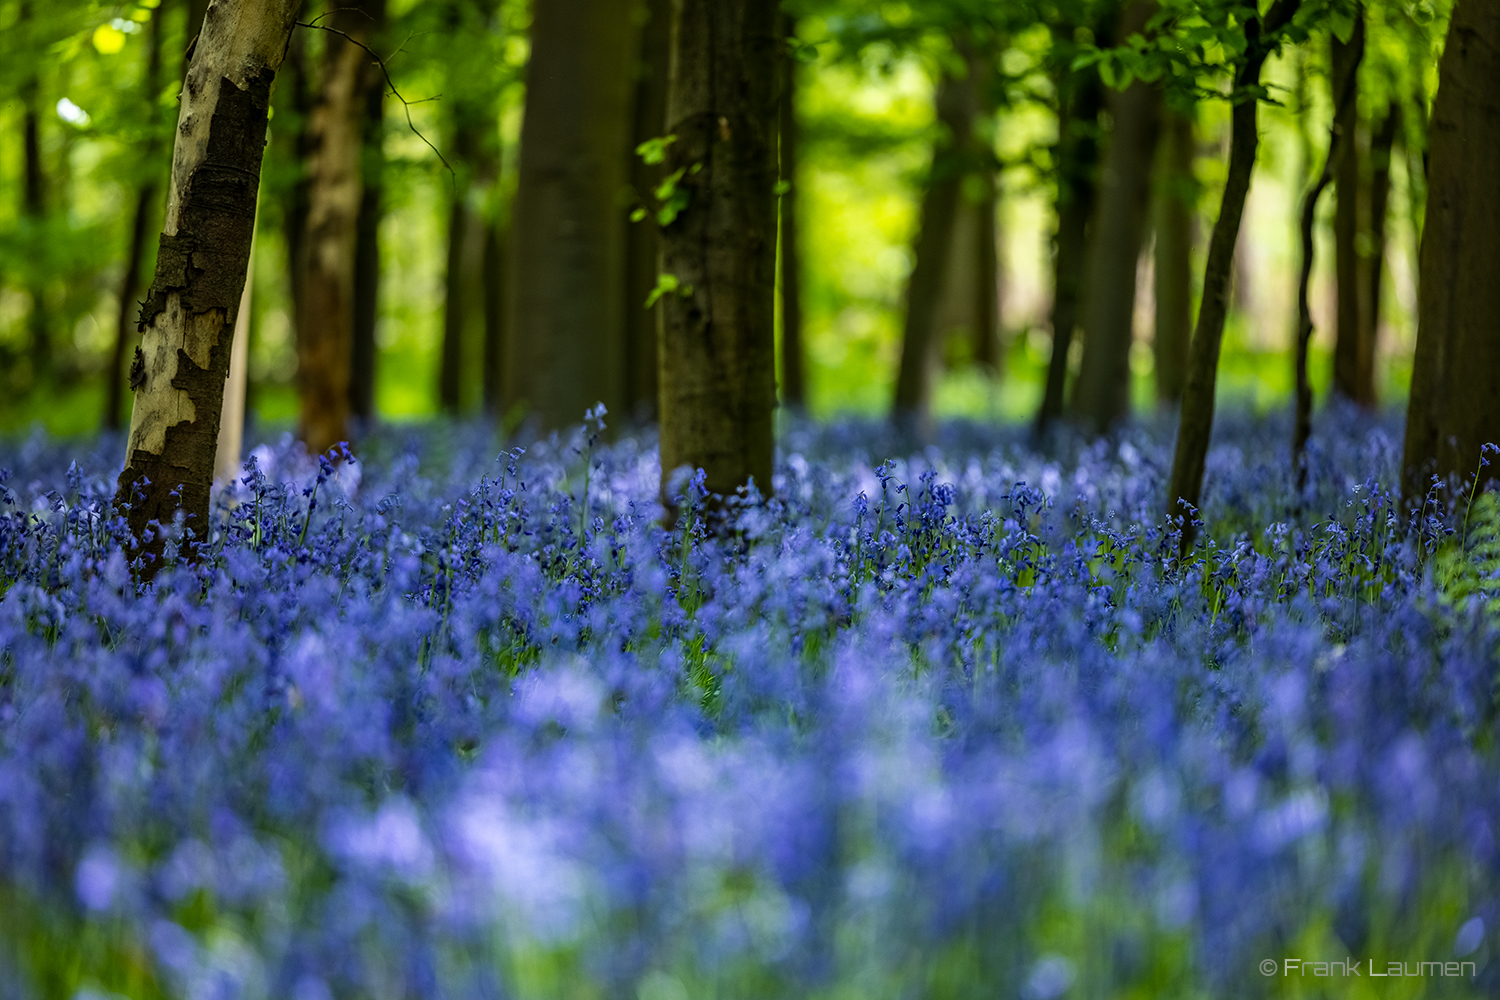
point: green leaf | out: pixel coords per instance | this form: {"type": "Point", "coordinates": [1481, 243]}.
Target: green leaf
{"type": "Point", "coordinates": [654, 151]}
{"type": "Point", "coordinates": [665, 285]}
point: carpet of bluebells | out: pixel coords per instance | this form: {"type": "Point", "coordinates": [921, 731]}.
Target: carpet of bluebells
{"type": "Point", "coordinates": [436, 723]}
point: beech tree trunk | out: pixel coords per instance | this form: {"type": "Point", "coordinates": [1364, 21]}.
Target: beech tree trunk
{"type": "Point", "coordinates": [643, 245]}
{"type": "Point", "coordinates": [566, 349]}
{"type": "Point", "coordinates": [1081, 98]}
{"type": "Point", "coordinates": [1454, 407]}
{"type": "Point", "coordinates": [718, 357]}
{"type": "Point", "coordinates": [367, 230]}
{"type": "Point", "coordinates": [1351, 352]}
{"type": "Point", "coordinates": [1176, 202]}
{"type": "Point", "coordinates": [325, 317]}
{"type": "Point", "coordinates": [957, 105]}
{"type": "Point", "coordinates": [793, 353]}
{"type": "Point", "coordinates": [1101, 398]}
{"type": "Point", "coordinates": [140, 229]}
{"type": "Point", "coordinates": [1195, 430]}
{"type": "Point", "coordinates": [188, 318]}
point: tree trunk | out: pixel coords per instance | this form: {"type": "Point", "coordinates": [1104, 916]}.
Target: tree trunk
{"type": "Point", "coordinates": [1101, 398]}
{"type": "Point", "coordinates": [643, 245]}
{"type": "Point", "coordinates": [230, 443]}
{"type": "Point", "coordinates": [1372, 265]}
{"type": "Point", "coordinates": [325, 317]}
{"type": "Point", "coordinates": [451, 361]}
{"type": "Point", "coordinates": [494, 305]}
{"type": "Point", "coordinates": [793, 353]}
{"type": "Point", "coordinates": [957, 103]}
{"type": "Point", "coordinates": [718, 355]}
{"type": "Point", "coordinates": [1454, 407]}
{"type": "Point", "coordinates": [1343, 98]}
{"type": "Point", "coordinates": [140, 229]}
{"type": "Point", "coordinates": [34, 209]}
{"type": "Point", "coordinates": [294, 107]}
{"type": "Point", "coordinates": [986, 306]}
{"type": "Point", "coordinates": [1176, 203]}
{"type": "Point", "coordinates": [367, 231]}
{"type": "Point", "coordinates": [1349, 350]}
{"type": "Point", "coordinates": [1081, 98]}
{"type": "Point", "coordinates": [566, 349]}
{"type": "Point", "coordinates": [188, 318]}
{"type": "Point", "coordinates": [1195, 429]}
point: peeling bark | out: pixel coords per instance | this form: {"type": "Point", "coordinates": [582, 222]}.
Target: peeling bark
{"type": "Point", "coordinates": [187, 320]}
{"type": "Point", "coordinates": [717, 352]}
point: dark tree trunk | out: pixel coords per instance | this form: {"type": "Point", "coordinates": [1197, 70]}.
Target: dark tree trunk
{"type": "Point", "coordinates": [793, 353]}
{"type": "Point", "coordinates": [451, 361]}
{"type": "Point", "coordinates": [1350, 348]}
{"type": "Point", "coordinates": [986, 306]}
{"type": "Point", "coordinates": [34, 209]}
{"type": "Point", "coordinates": [643, 245]}
{"type": "Point", "coordinates": [566, 349]}
{"type": "Point", "coordinates": [718, 352]}
{"type": "Point", "coordinates": [1101, 398]}
{"type": "Point", "coordinates": [1455, 392]}
{"type": "Point", "coordinates": [188, 318]}
{"type": "Point", "coordinates": [294, 101]}
{"type": "Point", "coordinates": [1343, 98]}
{"type": "Point", "coordinates": [367, 232]}
{"type": "Point", "coordinates": [957, 103]}
{"type": "Point", "coordinates": [494, 308]}
{"type": "Point", "coordinates": [146, 197]}
{"type": "Point", "coordinates": [1372, 265]}
{"type": "Point", "coordinates": [1081, 98]}
{"type": "Point", "coordinates": [1195, 429]}
{"type": "Point", "coordinates": [325, 320]}
{"type": "Point", "coordinates": [1176, 203]}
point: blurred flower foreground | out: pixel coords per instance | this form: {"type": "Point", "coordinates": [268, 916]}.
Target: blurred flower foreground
{"type": "Point", "coordinates": [430, 725]}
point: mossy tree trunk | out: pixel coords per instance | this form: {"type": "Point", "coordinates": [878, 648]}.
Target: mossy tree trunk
{"type": "Point", "coordinates": [717, 349]}
{"type": "Point", "coordinates": [1454, 407]}
{"type": "Point", "coordinates": [188, 318]}
{"type": "Point", "coordinates": [565, 346]}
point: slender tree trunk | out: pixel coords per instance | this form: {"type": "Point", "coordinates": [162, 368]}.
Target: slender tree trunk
{"type": "Point", "coordinates": [140, 229]}
{"type": "Point", "coordinates": [190, 311]}
{"type": "Point", "coordinates": [1343, 98]}
{"type": "Point", "coordinates": [1101, 397]}
{"type": "Point", "coordinates": [494, 265]}
{"type": "Point", "coordinates": [718, 354]}
{"type": "Point", "coordinates": [1176, 201]}
{"type": "Point", "coordinates": [1348, 184]}
{"type": "Point", "coordinates": [793, 353]}
{"type": "Point", "coordinates": [294, 108]}
{"type": "Point", "coordinates": [450, 370]}
{"type": "Point", "coordinates": [566, 349]}
{"type": "Point", "coordinates": [34, 209]}
{"type": "Point", "coordinates": [1076, 154]}
{"type": "Point", "coordinates": [367, 231]}
{"type": "Point", "coordinates": [325, 320]}
{"type": "Point", "coordinates": [1195, 429]}
{"type": "Point", "coordinates": [1372, 265]}
{"type": "Point", "coordinates": [957, 110]}
{"type": "Point", "coordinates": [643, 244]}
{"type": "Point", "coordinates": [230, 443]}
{"type": "Point", "coordinates": [987, 326]}
{"type": "Point", "coordinates": [1454, 407]}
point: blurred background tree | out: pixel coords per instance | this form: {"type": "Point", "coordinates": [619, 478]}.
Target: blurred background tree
{"type": "Point", "coordinates": [994, 210]}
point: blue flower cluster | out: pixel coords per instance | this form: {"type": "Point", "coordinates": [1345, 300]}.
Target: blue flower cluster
{"type": "Point", "coordinates": [431, 723]}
